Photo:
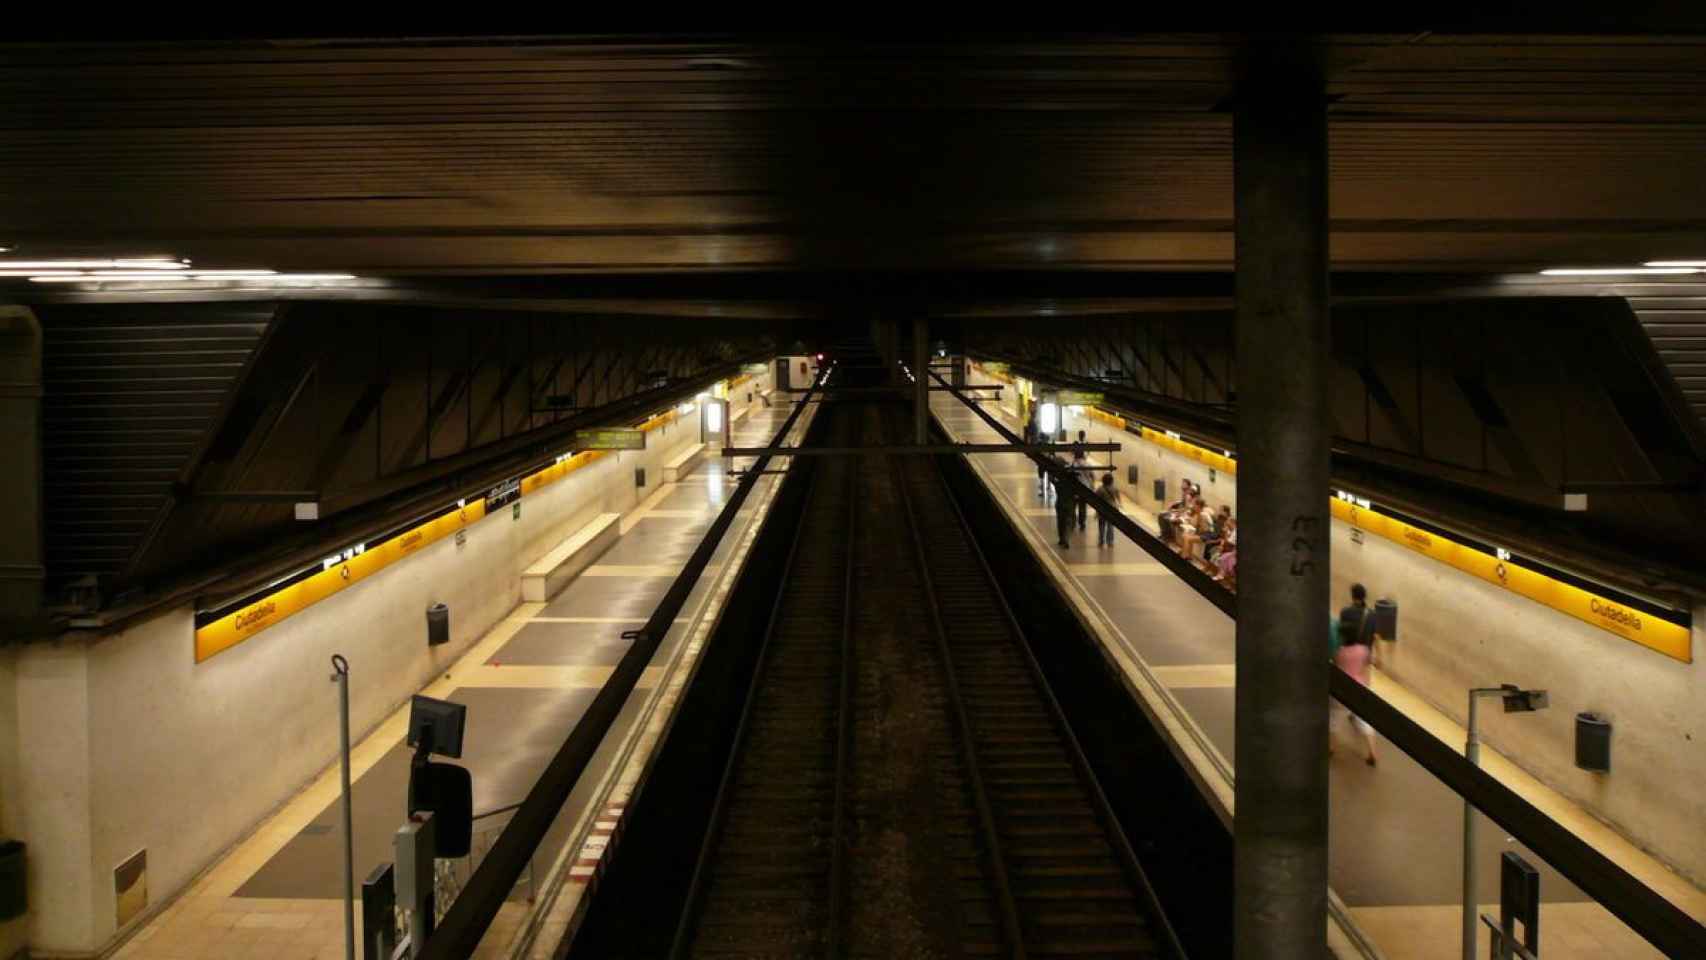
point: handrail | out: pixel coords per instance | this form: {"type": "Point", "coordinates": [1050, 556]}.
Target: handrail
{"type": "Point", "coordinates": [459, 933]}
{"type": "Point", "coordinates": [1225, 600]}
{"type": "Point", "coordinates": [1642, 908]}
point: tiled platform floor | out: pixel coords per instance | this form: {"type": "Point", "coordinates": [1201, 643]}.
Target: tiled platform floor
{"type": "Point", "coordinates": [527, 681]}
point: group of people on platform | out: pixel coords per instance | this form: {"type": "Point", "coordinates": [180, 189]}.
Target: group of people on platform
{"type": "Point", "coordinates": [1207, 537]}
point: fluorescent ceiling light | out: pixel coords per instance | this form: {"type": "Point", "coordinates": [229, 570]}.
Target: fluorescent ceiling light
{"type": "Point", "coordinates": [1676, 263]}
{"type": "Point", "coordinates": [93, 265]}
{"type": "Point", "coordinates": [224, 274]}
{"type": "Point", "coordinates": [1617, 271]}
{"type": "Point", "coordinates": [40, 273]}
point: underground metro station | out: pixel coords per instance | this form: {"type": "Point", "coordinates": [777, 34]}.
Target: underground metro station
{"type": "Point", "coordinates": [1200, 495]}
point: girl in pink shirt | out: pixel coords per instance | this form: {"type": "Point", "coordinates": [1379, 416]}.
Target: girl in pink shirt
{"type": "Point", "coordinates": [1356, 657]}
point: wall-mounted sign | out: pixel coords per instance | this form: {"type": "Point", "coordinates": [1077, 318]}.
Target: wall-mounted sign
{"type": "Point", "coordinates": [610, 438]}
{"type": "Point", "coordinates": [1080, 398]}
{"type": "Point", "coordinates": [502, 494]}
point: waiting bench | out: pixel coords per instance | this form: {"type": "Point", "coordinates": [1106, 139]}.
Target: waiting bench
{"type": "Point", "coordinates": [682, 463]}
{"type": "Point", "coordinates": [552, 572]}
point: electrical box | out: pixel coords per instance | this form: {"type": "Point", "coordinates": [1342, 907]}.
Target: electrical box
{"type": "Point", "coordinates": [1160, 489]}
{"type": "Point", "coordinates": [438, 625]}
{"type": "Point", "coordinates": [1131, 474]}
{"type": "Point", "coordinates": [639, 476]}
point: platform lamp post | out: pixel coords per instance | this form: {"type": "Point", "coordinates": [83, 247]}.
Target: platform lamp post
{"type": "Point", "coordinates": [1516, 700]}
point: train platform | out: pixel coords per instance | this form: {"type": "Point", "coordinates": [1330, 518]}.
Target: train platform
{"type": "Point", "coordinates": [526, 682]}
{"type": "Point", "coordinates": [1394, 842]}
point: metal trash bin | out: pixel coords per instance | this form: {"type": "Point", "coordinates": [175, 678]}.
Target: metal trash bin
{"type": "Point", "coordinates": [438, 625]}
{"type": "Point", "coordinates": [1593, 742]}
{"type": "Point", "coordinates": [1386, 618]}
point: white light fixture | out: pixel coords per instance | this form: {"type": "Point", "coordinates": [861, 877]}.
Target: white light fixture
{"type": "Point", "coordinates": [40, 273]}
{"type": "Point", "coordinates": [1618, 271]}
{"type": "Point", "coordinates": [124, 264]}
{"type": "Point", "coordinates": [713, 418]}
{"type": "Point", "coordinates": [1676, 263]}
{"type": "Point", "coordinates": [685, 408]}
{"type": "Point", "coordinates": [1048, 419]}
{"type": "Point", "coordinates": [1501, 553]}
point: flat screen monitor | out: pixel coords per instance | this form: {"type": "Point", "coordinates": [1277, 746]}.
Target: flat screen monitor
{"type": "Point", "coordinates": [447, 721]}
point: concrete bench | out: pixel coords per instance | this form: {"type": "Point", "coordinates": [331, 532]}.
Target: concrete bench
{"type": "Point", "coordinates": [682, 463]}
{"type": "Point", "coordinates": [552, 572]}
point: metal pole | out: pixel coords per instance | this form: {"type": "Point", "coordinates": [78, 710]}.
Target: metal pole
{"type": "Point", "coordinates": [1280, 212]}
{"type": "Point", "coordinates": [340, 676]}
{"type": "Point", "coordinates": [921, 376]}
{"type": "Point", "coordinates": [1472, 753]}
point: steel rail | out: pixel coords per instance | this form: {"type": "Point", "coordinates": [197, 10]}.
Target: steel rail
{"type": "Point", "coordinates": [684, 926]}
{"type": "Point", "coordinates": [844, 732]}
{"type": "Point", "coordinates": [458, 934]}
{"type": "Point", "coordinates": [998, 874]}
{"type": "Point", "coordinates": [1099, 799]}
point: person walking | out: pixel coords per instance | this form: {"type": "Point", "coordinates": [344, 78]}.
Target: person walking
{"type": "Point", "coordinates": [1104, 526]}
{"type": "Point", "coordinates": [1032, 435]}
{"type": "Point", "coordinates": [1081, 459]}
{"type": "Point", "coordinates": [1355, 656]}
{"type": "Point", "coordinates": [1063, 497]}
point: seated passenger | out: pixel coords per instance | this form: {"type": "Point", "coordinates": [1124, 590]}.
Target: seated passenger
{"type": "Point", "coordinates": [1227, 560]}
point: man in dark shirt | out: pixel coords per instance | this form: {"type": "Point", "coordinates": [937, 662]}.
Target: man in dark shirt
{"type": "Point", "coordinates": [1063, 498]}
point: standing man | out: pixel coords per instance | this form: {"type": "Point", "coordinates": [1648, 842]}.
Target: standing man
{"type": "Point", "coordinates": [1063, 504]}
{"type": "Point", "coordinates": [1080, 459]}
{"type": "Point", "coordinates": [1105, 527]}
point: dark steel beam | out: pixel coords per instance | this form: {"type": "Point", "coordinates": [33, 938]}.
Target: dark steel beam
{"type": "Point", "coordinates": [907, 449]}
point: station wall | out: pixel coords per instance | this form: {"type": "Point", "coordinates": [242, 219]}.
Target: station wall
{"type": "Point", "coordinates": [126, 743]}
{"type": "Point", "coordinates": [1458, 631]}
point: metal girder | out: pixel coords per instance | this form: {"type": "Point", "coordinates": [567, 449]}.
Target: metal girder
{"type": "Point", "coordinates": [906, 449]}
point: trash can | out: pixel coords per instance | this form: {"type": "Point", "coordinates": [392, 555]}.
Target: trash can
{"type": "Point", "coordinates": [14, 898]}
{"type": "Point", "coordinates": [438, 625]}
{"type": "Point", "coordinates": [1593, 742]}
{"type": "Point", "coordinates": [1386, 618]}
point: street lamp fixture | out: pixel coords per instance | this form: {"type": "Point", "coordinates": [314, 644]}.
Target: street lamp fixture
{"type": "Point", "coordinates": [1515, 700]}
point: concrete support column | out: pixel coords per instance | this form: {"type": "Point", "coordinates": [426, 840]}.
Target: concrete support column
{"type": "Point", "coordinates": [1280, 202]}
{"type": "Point", "coordinates": [921, 375]}
{"type": "Point", "coordinates": [21, 570]}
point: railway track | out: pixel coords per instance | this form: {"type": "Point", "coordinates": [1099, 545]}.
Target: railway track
{"type": "Point", "coordinates": [902, 782]}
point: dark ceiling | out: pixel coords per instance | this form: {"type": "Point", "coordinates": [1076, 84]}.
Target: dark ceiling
{"type": "Point", "coordinates": [389, 158]}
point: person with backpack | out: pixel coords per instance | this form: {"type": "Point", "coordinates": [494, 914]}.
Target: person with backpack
{"type": "Point", "coordinates": [1354, 654]}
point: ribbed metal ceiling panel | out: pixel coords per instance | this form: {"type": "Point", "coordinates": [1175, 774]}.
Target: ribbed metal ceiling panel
{"type": "Point", "coordinates": [1677, 326]}
{"type": "Point", "coordinates": [129, 394]}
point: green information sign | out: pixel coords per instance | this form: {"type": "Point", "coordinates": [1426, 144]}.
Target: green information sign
{"type": "Point", "coordinates": [995, 366]}
{"type": "Point", "coordinates": [1082, 398]}
{"type": "Point", "coordinates": [610, 439]}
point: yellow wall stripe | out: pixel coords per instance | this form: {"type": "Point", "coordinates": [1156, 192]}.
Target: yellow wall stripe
{"type": "Point", "coordinates": [252, 618]}
{"type": "Point", "coordinates": [1185, 448]}
{"type": "Point", "coordinates": [1670, 639]}
{"type": "Point", "coordinates": [248, 620]}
